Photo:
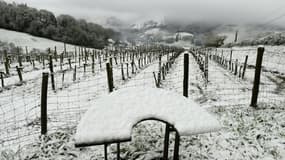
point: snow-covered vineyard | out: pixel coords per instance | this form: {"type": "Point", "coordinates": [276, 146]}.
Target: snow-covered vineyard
{"type": "Point", "coordinates": [221, 81]}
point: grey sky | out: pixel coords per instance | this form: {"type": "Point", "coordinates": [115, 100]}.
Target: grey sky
{"type": "Point", "coordinates": [131, 11]}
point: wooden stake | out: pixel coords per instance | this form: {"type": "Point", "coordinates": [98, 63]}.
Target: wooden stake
{"type": "Point", "coordinates": [186, 75]}
{"type": "Point", "coordinates": [44, 103]}
{"type": "Point", "coordinates": [244, 66]}
{"type": "Point", "coordinates": [258, 66]}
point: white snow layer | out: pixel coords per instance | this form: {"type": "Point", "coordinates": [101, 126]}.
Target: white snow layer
{"type": "Point", "coordinates": [113, 117]}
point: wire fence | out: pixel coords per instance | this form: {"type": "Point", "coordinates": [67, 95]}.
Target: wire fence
{"type": "Point", "coordinates": [231, 73]}
{"type": "Point", "coordinates": [71, 92]}
{"type": "Point", "coordinates": [217, 77]}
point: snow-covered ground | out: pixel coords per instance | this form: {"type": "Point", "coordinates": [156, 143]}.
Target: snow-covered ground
{"type": "Point", "coordinates": [247, 133]}
{"type": "Point", "coordinates": [20, 104]}
{"type": "Point", "coordinates": [26, 40]}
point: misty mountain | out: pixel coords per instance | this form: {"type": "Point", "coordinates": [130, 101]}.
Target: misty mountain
{"type": "Point", "coordinates": [170, 32]}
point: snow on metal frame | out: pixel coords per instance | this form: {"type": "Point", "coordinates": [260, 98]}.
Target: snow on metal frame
{"type": "Point", "coordinates": [112, 118]}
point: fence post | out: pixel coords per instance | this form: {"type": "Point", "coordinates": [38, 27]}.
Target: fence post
{"type": "Point", "coordinates": [166, 141]}
{"type": "Point", "coordinates": [236, 67]}
{"type": "Point", "coordinates": [159, 70]}
{"type": "Point", "coordinates": [122, 71]}
{"type": "Point", "coordinates": [7, 67]}
{"type": "Point", "coordinates": [33, 63]}
{"type": "Point", "coordinates": [44, 65]}
{"type": "Point", "coordinates": [244, 66]}
{"type": "Point", "coordinates": [176, 146]}
{"type": "Point", "coordinates": [133, 65]}
{"type": "Point", "coordinates": [127, 70]}
{"type": "Point", "coordinates": [186, 75]}
{"type": "Point", "coordinates": [93, 63]}
{"type": "Point", "coordinates": [20, 60]}
{"type": "Point", "coordinates": [61, 61]}
{"type": "Point", "coordinates": [19, 74]}
{"type": "Point", "coordinates": [51, 72]}
{"type": "Point", "coordinates": [258, 66]}
{"type": "Point", "coordinates": [69, 62]}
{"type": "Point", "coordinates": [206, 66]}
{"type": "Point", "coordinates": [230, 61]}
{"type": "Point", "coordinates": [105, 151]}
{"type": "Point", "coordinates": [118, 151]}
{"type": "Point", "coordinates": [100, 63]}
{"type": "Point", "coordinates": [110, 77]}
{"type": "Point", "coordinates": [55, 53]}
{"type": "Point", "coordinates": [44, 103]}
{"type": "Point", "coordinates": [2, 79]}
{"type": "Point", "coordinates": [155, 80]}
{"type": "Point", "coordinates": [74, 73]}
{"type": "Point", "coordinates": [84, 67]}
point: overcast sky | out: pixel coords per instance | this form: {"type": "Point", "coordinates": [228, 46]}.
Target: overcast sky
{"type": "Point", "coordinates": [131, 11]}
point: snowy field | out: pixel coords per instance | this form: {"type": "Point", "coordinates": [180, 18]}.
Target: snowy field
{"type": "Point", "coordinates": [247, 133]}
{"type": "Point", "coordinates": [26, 40]}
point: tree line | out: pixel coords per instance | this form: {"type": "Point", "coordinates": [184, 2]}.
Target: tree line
{"type": "Point", "coordinates": [43, 23]}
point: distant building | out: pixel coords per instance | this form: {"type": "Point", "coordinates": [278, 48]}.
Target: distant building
{"type": "Point", "coordinates": [184, 36]}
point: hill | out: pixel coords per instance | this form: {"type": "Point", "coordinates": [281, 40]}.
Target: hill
{"type": "Point", "coordinates": [23, 39]}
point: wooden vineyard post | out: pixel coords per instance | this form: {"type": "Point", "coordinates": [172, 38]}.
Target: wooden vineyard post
{"type": "Point", "coordinates": [19, 74]}
{"type": "Point", "coordinates": [230, 61]}
{"type": "Point", "coordinates": [159, 70]}
{"type": "Point", "coordinates": [110, 77]}
{"type": "Point", "coordinates": [55, 54]}
{"type": "Point", "coordinates": [106, 151]}
{"type": "Point", "coordinates": [100, 63]}
{"type": "Point", "coordinates": [239, 72]}
{"type": "Point", "coordinates": [155, 80]}
{"type": "Point", "coordinates": [258, 66]}
{"type": "Point", "coordinates": [163, 72]}
{"type": "Point", "coordinates": [44, 103]}
{"type": "Point", "coordinates": [44, 65]}
{"type": "Point", "coordinates": [51, 72]}
{"type": "Point", "coordinates": [26, 49]}
{"type": "Point", "coordinates": [111, 61]}
{"type": "Point", "coordinates": [85, 56]}
{"type": "Point", "coordinates": [79, 57]}
{"type": "Point", "coordinates": [7, 67]}
{"type": "Point", "coordinates": [236, 67]}
{"type": "Point", "coordinates": [33, 63]}
{"type": "Point", "coordinates": [75, 54]}
{"type": "Point", "coordinates": [122, 71]}
{"type": "Point", "coordinates": [93, 63]}
{"type": "Point", "coordinates": [176, 146]}
{"type": "Point", "coordinates": [61, 61]}
{"type": "Point", "coordinates": [65, 53]}
{"type": "Point", "coordinates": [186, 75]}
{"type": "Point", "coordinates": [127, 70]}
{"type": "Point", "coordinates": [118, 151]}
{"type": "Point", "coordinates": [20, 60]}
{"type": "Point", "coordinates": [2, 79]}
{"type": "Point", "coordinates": [166, 141]}
{"type": "Point", "coordinates": [133, 64]}
{"type": "Point", "coordinates": [62, 79]}
{"type": "Point", "coordinates": [84, 67]}
{"type": "Point", "coordinates": [69, 62]}
{"type": "Point", "coordinates": [74, 73]}
{"type": "Point", "coordinates": [206, 66]}
{"type": "Point", "coordinates": [244, 66]}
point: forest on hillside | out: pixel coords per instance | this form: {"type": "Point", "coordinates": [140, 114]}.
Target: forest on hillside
{"type": "Point", "coordinates": [43, 23]}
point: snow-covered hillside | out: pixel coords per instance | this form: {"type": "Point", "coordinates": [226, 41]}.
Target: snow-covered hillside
{"type": "Point", "coordinates": [23, 40]}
